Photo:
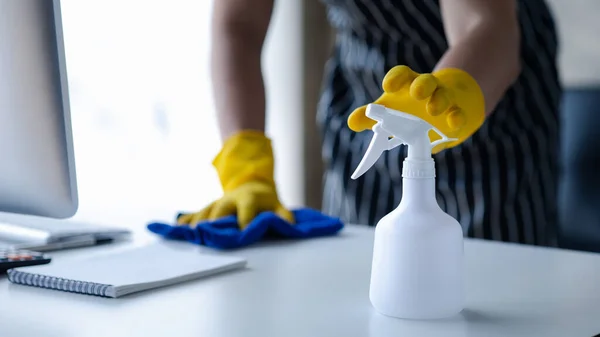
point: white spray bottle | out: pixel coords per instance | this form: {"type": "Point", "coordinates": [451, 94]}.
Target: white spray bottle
{"type": "Point", "coordinates": [417, 269]}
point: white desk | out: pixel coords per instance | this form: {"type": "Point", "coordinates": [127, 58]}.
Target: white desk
{"type": "Point", "coordinates": [320, 288]}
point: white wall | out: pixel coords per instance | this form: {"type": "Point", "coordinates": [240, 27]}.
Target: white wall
{"type": "Point", "coordinates": [579, 28]}
{"type": "Point", "coordinates": [143, 117]}
{"type": "Point", "coordinates": [297, 48]}
{"type": "Point", "coordinates": [283, 76]}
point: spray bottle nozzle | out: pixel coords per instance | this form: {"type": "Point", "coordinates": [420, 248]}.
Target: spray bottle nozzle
{"type": "Point", "coordinates": [402, 128]}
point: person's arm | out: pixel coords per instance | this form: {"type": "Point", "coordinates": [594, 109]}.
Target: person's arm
{"type": "Point", "coordinates": [484, 41]}
{"type": "Point", "coordinates": [239, 28]}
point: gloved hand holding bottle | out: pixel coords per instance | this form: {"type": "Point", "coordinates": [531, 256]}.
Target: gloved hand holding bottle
{"type": "Point", "coordinates": [449, 99]}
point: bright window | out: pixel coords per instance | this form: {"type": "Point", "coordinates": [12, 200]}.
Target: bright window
{"type": "Point", "coordinates": [143, 118]}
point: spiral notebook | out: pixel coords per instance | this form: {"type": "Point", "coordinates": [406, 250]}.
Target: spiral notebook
{"type": "Point", "coordinates": [125, 272]}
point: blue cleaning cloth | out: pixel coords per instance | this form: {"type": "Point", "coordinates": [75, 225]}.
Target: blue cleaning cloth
{"type": "Point", "coordinates": [225, 234]}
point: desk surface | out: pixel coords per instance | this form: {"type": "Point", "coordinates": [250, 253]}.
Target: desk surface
{"type": "Point", "coordinates": [320, 288]}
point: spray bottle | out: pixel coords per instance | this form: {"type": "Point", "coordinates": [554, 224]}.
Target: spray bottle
{"type": "Point", "coordinates": [417, 268]}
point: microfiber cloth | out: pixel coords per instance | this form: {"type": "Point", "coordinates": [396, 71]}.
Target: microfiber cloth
{"type": "Point", "coordinates": [224, 233]}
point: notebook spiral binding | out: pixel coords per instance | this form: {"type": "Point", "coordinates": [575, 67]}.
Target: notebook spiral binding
{"type": "Point", "coordinates": [56, 283]}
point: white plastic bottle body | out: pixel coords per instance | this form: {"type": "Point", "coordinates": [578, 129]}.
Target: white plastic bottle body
{"type": "Point", "coordinates": [417, 269]}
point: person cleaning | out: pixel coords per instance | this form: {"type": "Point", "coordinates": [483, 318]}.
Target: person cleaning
{"type": "Point", "coordinates": [489, 66]}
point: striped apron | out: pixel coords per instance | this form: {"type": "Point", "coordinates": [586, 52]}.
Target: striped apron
{"type": "Point", "coordinates": [501, 184]}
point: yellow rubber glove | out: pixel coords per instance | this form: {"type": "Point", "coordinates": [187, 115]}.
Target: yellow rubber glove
{"type": "Point", "coordinates": [449, 99]}
{"type": "Point", "coordinates": [245, 167]}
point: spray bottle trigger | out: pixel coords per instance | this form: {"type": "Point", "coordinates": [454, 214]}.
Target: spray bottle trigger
{"type": "Point", "coordinates": [444, 138]}
{"type": "Point", "coordinates": [378, 144]}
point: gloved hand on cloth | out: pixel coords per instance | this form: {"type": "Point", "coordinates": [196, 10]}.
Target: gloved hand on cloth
{"type": "Point", "coordinates": [449, 99]}
{"type": "Point", "coordinates": [245, 166]}
{"type": "Point", "coordinates": [250, 208]}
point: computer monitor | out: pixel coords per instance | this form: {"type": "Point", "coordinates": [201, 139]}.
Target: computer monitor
{"type": "Point", "coordinates": [37, 166]}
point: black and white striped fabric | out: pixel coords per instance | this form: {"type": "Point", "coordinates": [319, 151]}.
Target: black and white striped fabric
{"type": "Point", "coordinates": [501, 183]}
